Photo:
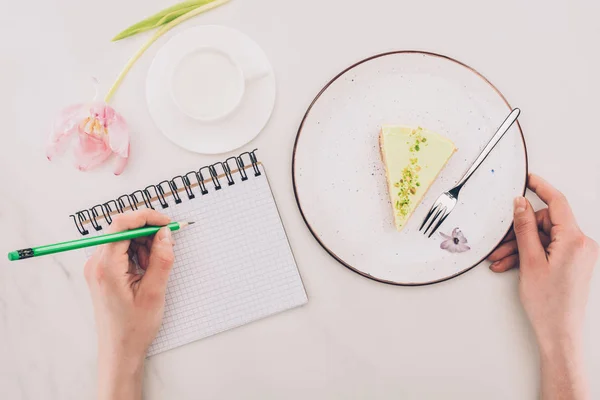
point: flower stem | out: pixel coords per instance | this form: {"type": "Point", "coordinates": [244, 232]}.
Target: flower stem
{"type": "Point", "coordinates": [163, 29]}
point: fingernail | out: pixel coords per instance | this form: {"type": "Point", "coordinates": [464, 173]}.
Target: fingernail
{"type": "Point", "coordinates": [164, 235]}
{"type": "Point", "coordinates": [493, 265]}
{"type": "Point", "coordinates": [520, 205]}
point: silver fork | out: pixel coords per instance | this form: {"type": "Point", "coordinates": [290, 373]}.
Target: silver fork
{"type": "Point", "coordinates": [444, 204]}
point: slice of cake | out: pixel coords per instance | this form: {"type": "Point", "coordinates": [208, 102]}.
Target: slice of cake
{"type": "Point", "coordinates": [413, 158]}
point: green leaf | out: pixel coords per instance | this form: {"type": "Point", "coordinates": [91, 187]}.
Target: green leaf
{"type": "Point", "coordinates": [161, 18]}
{"type": "Point", "coordinates": [175, 14]}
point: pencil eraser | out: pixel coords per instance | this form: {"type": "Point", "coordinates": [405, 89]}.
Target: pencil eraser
{"type": "Point", "coordinates": [20, 254]}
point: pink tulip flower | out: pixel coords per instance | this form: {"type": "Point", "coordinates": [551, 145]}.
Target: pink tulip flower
{"type": "Point", "coordinates": [101, 131]}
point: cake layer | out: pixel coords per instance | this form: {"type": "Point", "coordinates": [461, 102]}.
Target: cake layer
{"type": "Point", "coordinates": [413, 159]}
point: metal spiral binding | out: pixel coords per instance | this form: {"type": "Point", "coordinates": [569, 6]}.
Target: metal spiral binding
{"type": "Point", "coordinates": [201, 184]}
{"type": "Point", "coordinates": [80, 226]}
{"type": "Point", "coordinates": [240, 162]}
{"type": "Point", "coordinates": [123, 206]}
{"type": "Point", "coordinates": [84, 216]}
{"type": "Point", "coordinates": [213, 176]}
{"type": "Point", "coordinates": [186, 185]}
{"type": "Point", "coordinates": [171, 188]}
{"type": "Point", "coordinates": [93, 219]}
{"type": "Point", "coordinates": [146, 200]}
{"type": "Point", "coordinates": [96, 214]}
{"type": "Point", "coordinates": [199, 180]}
{"type": "Point", "coordinates": [254, 164]}
{"type": "Point", "coordinates": [227, 171]}
{"type": "Point", "coordinates": [108, 207]}
{"type": "Point", "coordinates": [107, 216]}
{"type": "Point", "coordinates": [158, 194]}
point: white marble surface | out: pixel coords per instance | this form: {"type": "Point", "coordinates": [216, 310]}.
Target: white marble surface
{"type": "Point", "coordinates": [463, 339]}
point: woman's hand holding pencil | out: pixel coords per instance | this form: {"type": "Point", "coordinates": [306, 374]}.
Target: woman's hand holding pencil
{"type": "Point", "coordinates": [128, 307]}
{"type": "Point", "coordinates": [128, 303]}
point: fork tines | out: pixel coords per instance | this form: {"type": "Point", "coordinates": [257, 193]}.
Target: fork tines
{"type": "Point", "coordinates": [438, 213]}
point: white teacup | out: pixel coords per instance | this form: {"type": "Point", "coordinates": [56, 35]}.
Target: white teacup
{"type": "Point", "coordinates": [207, 84]}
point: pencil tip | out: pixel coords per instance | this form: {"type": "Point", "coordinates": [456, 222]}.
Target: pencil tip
{"type": "Point", "coordinates": [191, 222]}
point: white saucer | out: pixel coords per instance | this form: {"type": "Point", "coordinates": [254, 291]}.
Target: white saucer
{"type": "Point", "coordinates": [225, 133]}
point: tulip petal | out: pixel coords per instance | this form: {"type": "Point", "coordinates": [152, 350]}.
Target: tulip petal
{"type": "Point", "coordinates": [118, 135]}
{"type": "Point", "coordinates": [121, 162]}
{"type": "Point", "coordinates": [90, 152]}
{"type": "Point", "coordinates": [102, 131]}
{"type": "Point", "coordinates": [65, 124]}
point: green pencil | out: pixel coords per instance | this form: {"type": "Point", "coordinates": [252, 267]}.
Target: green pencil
{"type": "Point", "coordinates": [91, 241]}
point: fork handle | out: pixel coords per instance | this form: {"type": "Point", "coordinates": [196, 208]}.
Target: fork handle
{"type": "Point", "coordinates": [512, 117]}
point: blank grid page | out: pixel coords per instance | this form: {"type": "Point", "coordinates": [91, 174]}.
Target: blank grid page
{"type": "Point", "coordinates": [233, 266]}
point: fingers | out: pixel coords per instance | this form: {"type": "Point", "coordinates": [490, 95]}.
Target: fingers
{"type": "Point", "coordinates": [143, 255]}
{"type": "Point", "coordinates": [559, 211]}
{"type": "Point", "coordinates": [542, 218]}
{"type": "Point", "coordinates": [508, 248]}
{"type": "Point", "coordinates": [506, 263]}
{"type": "Point", "coordinates": [144, 241]}
{"type": "Point", "coordinates": [529, 245]}
{"type": "Point", "coordinates": [89, 270]}
{"type": "Point", "coordinates": [504, 250]}
{"type": "Point", "coordinates": [141, 248]}
{"type": "Point", "coordinates": [160, 263]}
{"type": "Point", "coordinates": [543, 222]}
{"type": "Point", "coordinates": [136, 219]}
{"type": "Point", "coordinates": [509, 236]}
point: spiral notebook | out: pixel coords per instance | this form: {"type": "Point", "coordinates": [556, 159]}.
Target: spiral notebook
{"type": "Point", "coordinates": [233, 266]}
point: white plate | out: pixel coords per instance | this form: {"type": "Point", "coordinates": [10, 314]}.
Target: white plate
{"type": "Point", "coordinates": [228, 132]}
{"type": "Point", "coordinates": [339, 179]}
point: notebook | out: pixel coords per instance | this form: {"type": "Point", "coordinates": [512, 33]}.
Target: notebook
{"type": "Point", "coordinates": [233, 266]}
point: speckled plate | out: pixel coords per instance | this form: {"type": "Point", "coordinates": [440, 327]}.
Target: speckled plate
{"type": "Point", "coordinates": [339, 178]}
